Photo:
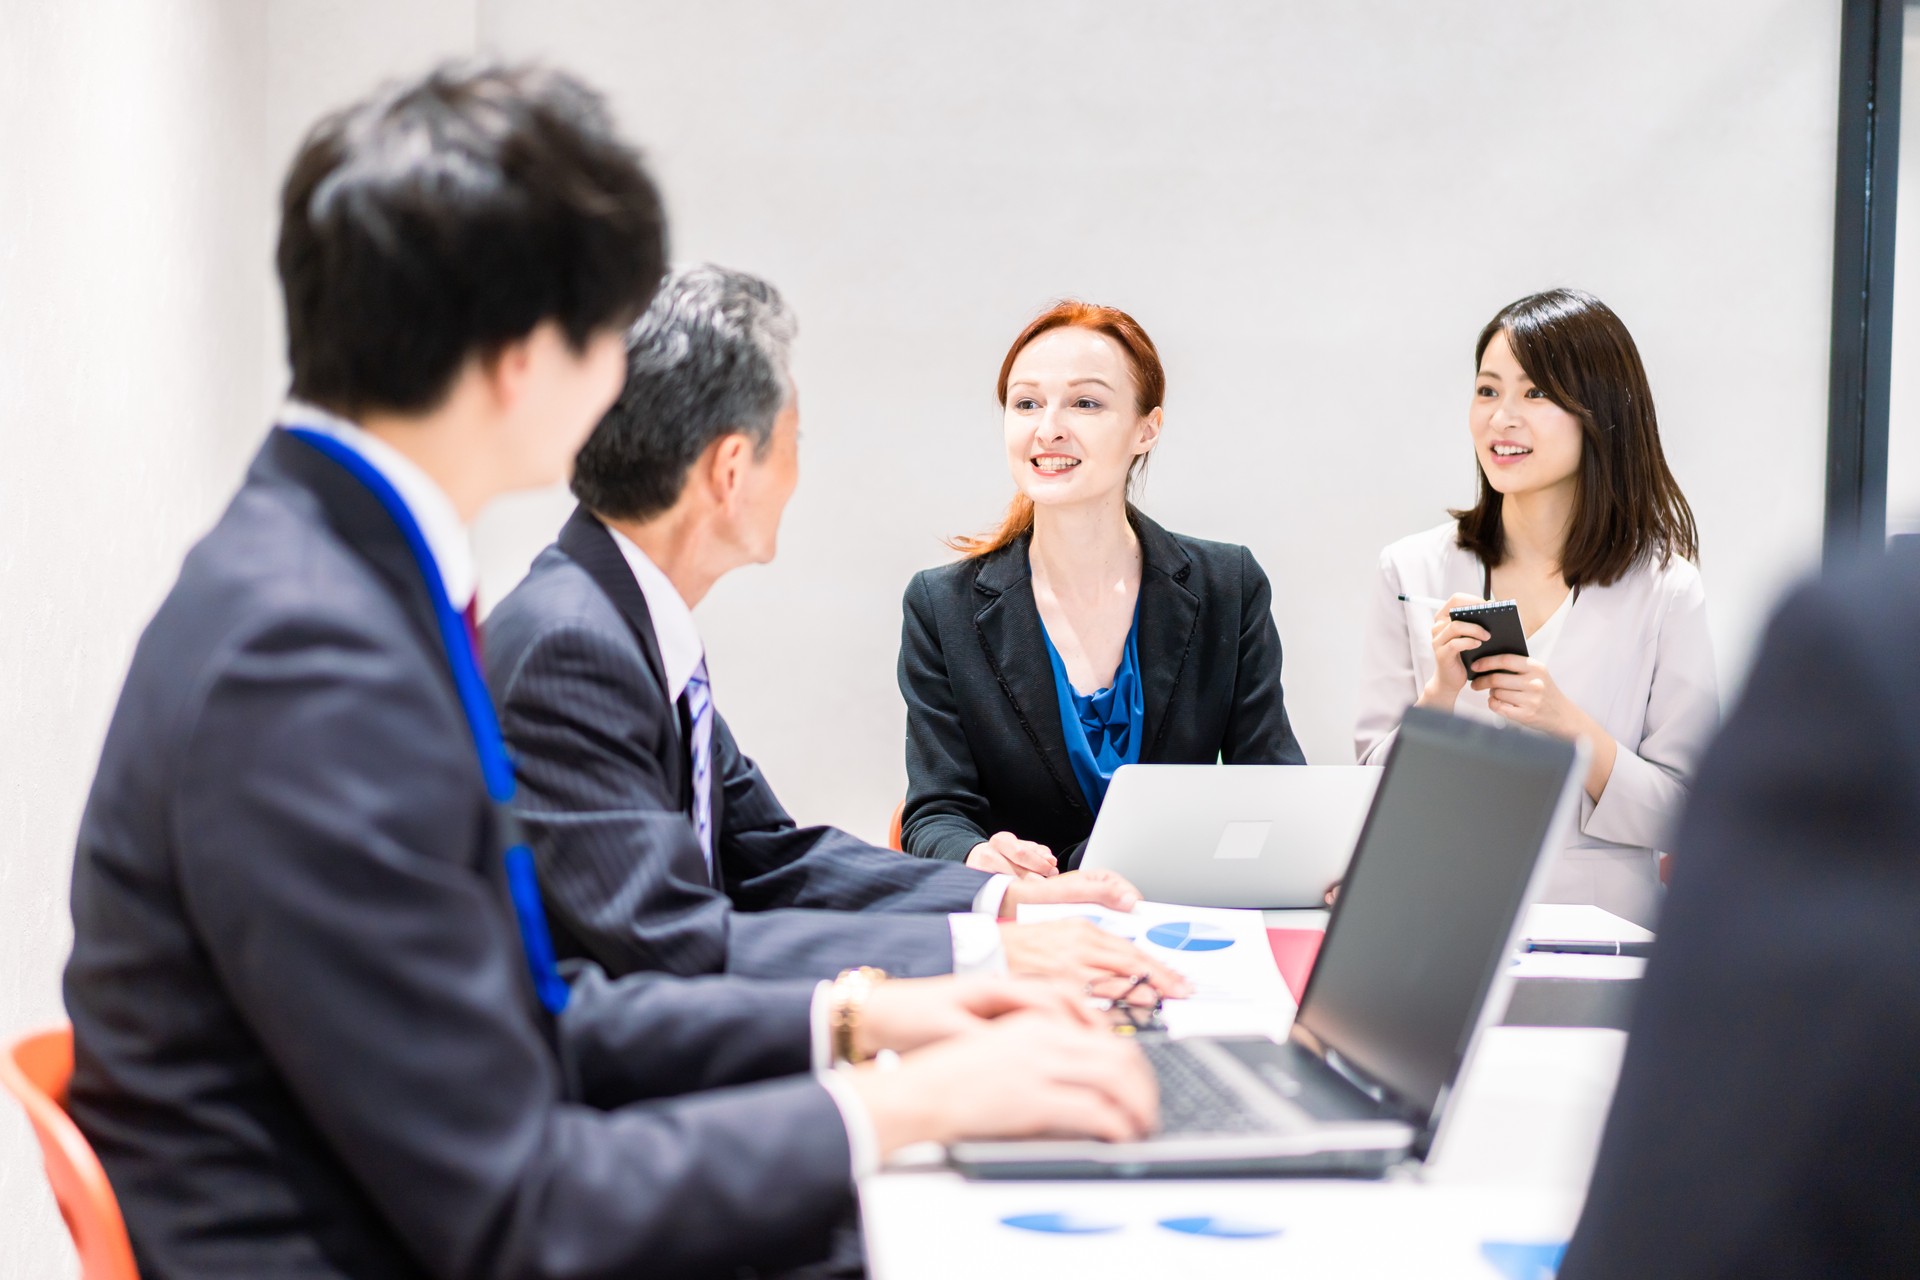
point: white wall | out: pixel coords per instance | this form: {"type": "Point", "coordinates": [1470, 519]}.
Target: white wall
{"type": "Point", "coordinates": [140, 354]}
{"type": "Point", "coordinates": [1313, 209]}
{"type": "Point", "coordinates": [322, 55]}
{"type": "Point", "coordinates": [133, 270]}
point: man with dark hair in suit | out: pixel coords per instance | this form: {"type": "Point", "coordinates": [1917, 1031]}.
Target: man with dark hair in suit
{"type": "Point", "coordinates": [318, 1026]}
{"type": "Point", "coordinates": [661, 846]}
{"type": "Point", "coordinates": [1767, 1122]}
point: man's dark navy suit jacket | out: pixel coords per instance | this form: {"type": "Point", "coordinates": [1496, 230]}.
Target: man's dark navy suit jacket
{"type": "Point", "coordinates": [1767, 1122]}
{"type": "Point", "coordinates": [306, 1040]}
{"type": "Point", "coordinates": [606, 794]}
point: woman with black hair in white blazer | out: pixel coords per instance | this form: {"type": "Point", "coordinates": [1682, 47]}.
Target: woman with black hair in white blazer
{"type": "Point", "coordinates": [1581, 523]}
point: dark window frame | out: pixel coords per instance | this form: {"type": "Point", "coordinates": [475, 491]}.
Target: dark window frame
{"type": "Point", "coordinates": [1860, 371]}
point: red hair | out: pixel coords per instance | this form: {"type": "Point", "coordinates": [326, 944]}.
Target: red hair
{"type": "Point", "coordinates": [1149, 379]}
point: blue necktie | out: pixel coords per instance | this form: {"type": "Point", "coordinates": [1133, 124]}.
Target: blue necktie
{"type": "Point", "coordinates": [700, 711]}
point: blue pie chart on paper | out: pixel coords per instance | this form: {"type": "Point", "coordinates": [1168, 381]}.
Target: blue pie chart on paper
{"type": "Point", "coordinates": [1221, 1228]}
{"type": "Point", "coordinates": [1060, 1224]}
{"type": "Point", "coordinates": [1524, 1261]}
{"type": "Point", "coordinates": [1189, 935]}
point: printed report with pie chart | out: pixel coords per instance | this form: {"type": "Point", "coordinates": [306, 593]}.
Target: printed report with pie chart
{"type": "Point", "coordinates": [1223, 951]}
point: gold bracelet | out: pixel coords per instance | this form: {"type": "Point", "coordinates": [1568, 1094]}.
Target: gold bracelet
{"type": "Point", "coordinates": [850, 992]}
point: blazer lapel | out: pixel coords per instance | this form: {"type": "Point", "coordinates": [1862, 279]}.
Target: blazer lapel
{"type": "Point", "coordinates": [716, 799]}
{"type": "Point", "coordinates": [1169, 616]}
{"type": "Point", "coordinates": [1008, 623]}
{"type": "Point", "coordinates": [365, 525]}
{"type": "Point", "coordinates": [591, 547]}
{"type": "Point", "coordinates": [586, 540]}
{"type": "Point", "coordinates": [357, 516]}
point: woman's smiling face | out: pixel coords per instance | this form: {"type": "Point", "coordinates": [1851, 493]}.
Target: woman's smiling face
{"type": "Point", "coordinates": [1524, 441]}
{"type": "Point", "coordinates": [1073, 425]}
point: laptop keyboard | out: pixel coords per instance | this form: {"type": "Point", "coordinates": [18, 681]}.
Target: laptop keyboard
{"type": "Point", "coordinates": [1194, 1099]}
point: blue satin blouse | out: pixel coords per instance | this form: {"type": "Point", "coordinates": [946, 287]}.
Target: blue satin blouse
{"type": "Point", "coordinates": [1102, 729]}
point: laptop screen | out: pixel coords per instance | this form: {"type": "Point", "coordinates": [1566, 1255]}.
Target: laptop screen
{"type": "Point", "coordinates": [1425, 913]}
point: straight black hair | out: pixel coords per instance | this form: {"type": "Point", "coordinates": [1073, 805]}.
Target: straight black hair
{"type": "Point", "coordinates": [445, 217]}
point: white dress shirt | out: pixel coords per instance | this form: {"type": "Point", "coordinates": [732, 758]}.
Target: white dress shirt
{"type": "Point", "coordinates": [431, 508]}
{"type": "Point", "coordinates": [448, 543]}
{"type": "Point", "coordinates": [1636, 656]}
{"type": "Point", "coordinates": [976, 935]}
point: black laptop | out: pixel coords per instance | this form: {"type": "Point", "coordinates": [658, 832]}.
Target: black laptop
{"type": "Point", "coordinates": [1414, 967]}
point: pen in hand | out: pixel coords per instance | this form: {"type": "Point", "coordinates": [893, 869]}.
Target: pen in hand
{"type": "Point", "coordinates": [1428, 602]}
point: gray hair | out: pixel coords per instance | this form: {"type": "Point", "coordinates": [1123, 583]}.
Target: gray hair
{"type": "Point", "coordinates": [710, 357]}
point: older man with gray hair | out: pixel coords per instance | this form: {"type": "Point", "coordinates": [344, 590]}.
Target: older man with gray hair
{"type": "Point", "coordinates": [661, 845]}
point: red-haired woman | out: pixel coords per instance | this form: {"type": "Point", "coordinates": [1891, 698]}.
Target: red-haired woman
{"type": "Point", "coordinates": [1580, 522]}
{"type": "Point", "coordinates": [1080, 636]}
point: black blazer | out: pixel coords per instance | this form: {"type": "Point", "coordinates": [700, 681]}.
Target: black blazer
{"type": "Point", "coordinates": [606, 793]}
{"type": "Point", "coordinates": [1767, 1121]}
{"type": "Point", "coordinates": [985, 748]}
{"type": "Point", "coordinates": [306, 1042]}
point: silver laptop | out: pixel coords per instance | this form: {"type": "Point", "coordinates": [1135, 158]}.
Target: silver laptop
{"type": "Point", "coordinates": [1233, 835]}
{"type": "Point", "coordinates": [1412, 971]}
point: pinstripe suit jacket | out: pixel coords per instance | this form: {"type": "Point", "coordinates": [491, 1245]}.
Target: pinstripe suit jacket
{"type": "Point", "coordinates": [605, 794]}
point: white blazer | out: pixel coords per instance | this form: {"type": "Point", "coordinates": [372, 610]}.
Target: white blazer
{"type": "Point", "coordinates": [1635, 656]}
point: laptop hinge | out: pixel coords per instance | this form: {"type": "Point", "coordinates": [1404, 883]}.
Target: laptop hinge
{"type": "Point", "coordinates": [1354, 1075]}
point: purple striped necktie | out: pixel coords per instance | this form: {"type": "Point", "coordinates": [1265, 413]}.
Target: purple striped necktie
{"type": "Point", "coordinates": [700, 711]}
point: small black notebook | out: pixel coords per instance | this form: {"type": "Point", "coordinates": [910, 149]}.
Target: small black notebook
{"type": "Point", "coordinates": [1502, 621]}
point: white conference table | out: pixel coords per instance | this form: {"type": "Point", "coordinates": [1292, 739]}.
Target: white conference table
{"type": "Point", "coordinates": [1511, 1173]}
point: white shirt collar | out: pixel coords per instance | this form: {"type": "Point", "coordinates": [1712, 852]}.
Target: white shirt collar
{"type": "Point", "coordinates": [673, 626]}
{"type": "Point", "coordinates": [428, 503]}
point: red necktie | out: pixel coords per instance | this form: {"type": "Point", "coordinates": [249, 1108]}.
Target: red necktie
{"type": "Point", "coordinates": [472, 614]}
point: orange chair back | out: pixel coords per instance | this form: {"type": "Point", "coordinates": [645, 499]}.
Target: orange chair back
{"type": "Point", "coordinates": [893, 829]}
{"type": "Point", "coordinates": [36, 1070]}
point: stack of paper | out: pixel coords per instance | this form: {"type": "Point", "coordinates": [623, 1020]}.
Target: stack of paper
{"type": "Point", "coordinates": [1576, 922]}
